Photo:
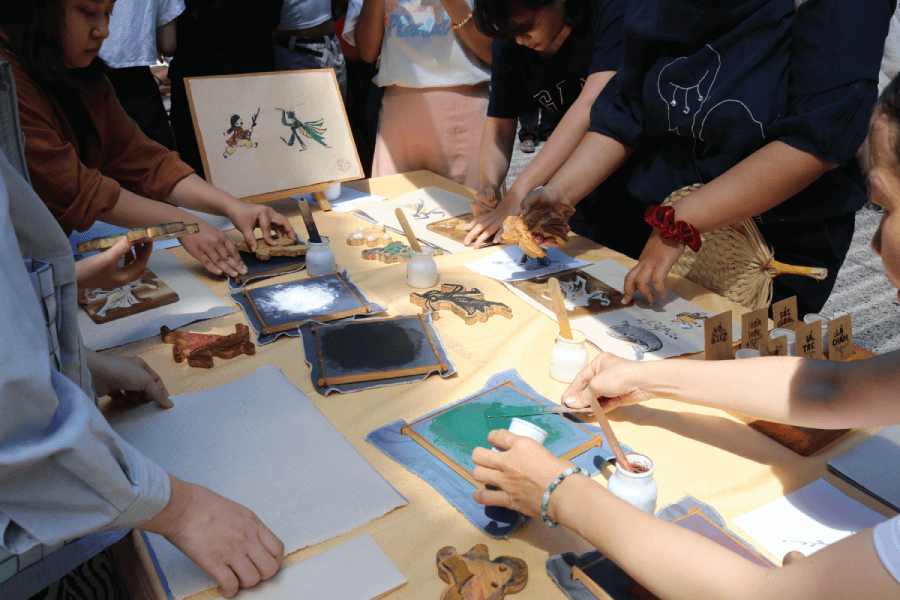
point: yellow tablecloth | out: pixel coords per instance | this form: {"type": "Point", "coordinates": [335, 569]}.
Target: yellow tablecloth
{"type": "Point", "coordinates": [703, 452]}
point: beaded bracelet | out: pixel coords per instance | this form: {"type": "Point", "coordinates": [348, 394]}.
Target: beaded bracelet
{"type": "Point", "coordinates": [464, 21]}
{"type": "Point", "coordinates": [552, 486]}
{"type": "Point", "coordinates": [663, 218]}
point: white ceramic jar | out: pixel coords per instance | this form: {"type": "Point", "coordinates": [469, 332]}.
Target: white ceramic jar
{"type": "Point", "coordinates": [527, 428]}
{"type": "Point", "coordinates": [320, 258]}
{"type": "Point", "coordinates": [333, 192]}
{"type": "Point", "coordinates": [789, 335]}
{"type": "Point", "coordinates": [747, 353]}
{"type": "Point", "coordinates": [823, 320]}
{"type": "Point", "coordinates": [568, 357]}
{"type": "Point", "coordinates": [638, 489]}
{"type": "Point", "coordinates": [421, 270]}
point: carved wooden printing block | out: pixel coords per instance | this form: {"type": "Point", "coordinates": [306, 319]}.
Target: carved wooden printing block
{"type": "Point", "coordinates": [468, 304]}
{"type": "Point", "coordinates": [370, 236]}
{"type": "Point", "coordinates": [474, 576]}
{"type": "Point", "coordinates": [283, 247]}
{"type": "Point", "coordinates": [199, 348]}
{"type": "Point", "coordinates": [393, 252]}
{"type": "Point", "coordinates": [548, 222]}
{"type": "Point", "coordinates": [140, 235]}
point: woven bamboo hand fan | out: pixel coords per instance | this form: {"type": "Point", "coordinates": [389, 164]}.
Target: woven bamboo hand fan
{"type": "Point", "coordinates": [735, 262]}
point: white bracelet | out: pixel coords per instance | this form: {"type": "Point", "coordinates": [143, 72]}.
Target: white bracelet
{"type": "Point", "coordinates": [464, 21]}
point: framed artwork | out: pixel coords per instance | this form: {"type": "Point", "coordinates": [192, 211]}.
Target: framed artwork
{"type": "Point", "coordinates": [290, 126]}
{"type": "Point", "coordinates": [583, 294]}
{"type": "Point", "coordinates": [375, 349]}
{"type": "Point", "coordinates": [452, 434]}
{"type": "Point", "coordinates": [283, 306]}
{"type": "Point", "coordinates": [147, 293]}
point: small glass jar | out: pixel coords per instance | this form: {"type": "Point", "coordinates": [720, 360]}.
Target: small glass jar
{"type": "Point", "coordinates": [568, 357]}
{"type": "Point", "coordinates": [638, 489]}
{"type": "Point", "coordinates": [823, 320]}
{"type": "Point", "coordinates": [333, 192]}
{"type": "Point", "coordinates": [789, 336]}
{"type": "Point", "coordinates": [421, 270]}
{"type": "Point", "coordinates": [320, 258]}
{"type": "Point", "coordinates": [747, 353]}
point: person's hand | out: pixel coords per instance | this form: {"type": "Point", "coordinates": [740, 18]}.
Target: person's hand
{"type": "Point", "coordinates": [487, 226]}
{"type": "Point", "coordinates": [657, 259]}
{"type": "Point", "coordinates": [225, 539]}
{"type": "Point", "coordinates": [521, 474]}
{"type": "Point", "coordinates": [247, 217]}
{"type": "Point", "coordinates": [604, 378]}
{"type": "Point", "coordinates": [127, 374]}
{"type": "Point", "coordinates": [102, 270]}
{"type": "Point", "coordinates": [214, 250]}
{"type": "Point", "coordinates": [487, 199]}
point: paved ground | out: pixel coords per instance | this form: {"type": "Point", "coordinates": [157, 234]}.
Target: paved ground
{"type": "Point", "coordinates": [862, 288]}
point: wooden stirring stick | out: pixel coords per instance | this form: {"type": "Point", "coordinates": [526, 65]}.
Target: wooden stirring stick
{"type": "Point", "coordinates": [410, 236]}
{"type": "Point", "coordinates": [559, 307]}
{"type": "Point", "coordinates": [603, 422]}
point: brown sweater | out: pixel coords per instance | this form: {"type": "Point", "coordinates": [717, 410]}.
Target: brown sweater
{"type": "Point", "coordinates": [79, 193]}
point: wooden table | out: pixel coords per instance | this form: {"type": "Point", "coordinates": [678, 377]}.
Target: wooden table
{"type": "Point", "coordinates": [699, 451]}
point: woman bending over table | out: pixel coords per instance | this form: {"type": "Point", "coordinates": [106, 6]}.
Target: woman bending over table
{"type": "Point", "coordinates": [673, 562]}
{"type": "Point", "coordinates": [552, 55]}
{"type": "Point", "coordinates": [87, 159]}
{"type": "Point", "coordinates": [763, 102]}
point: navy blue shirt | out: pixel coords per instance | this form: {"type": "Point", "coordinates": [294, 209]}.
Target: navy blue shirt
{"type": "Point", "coordinates": [522, 81]}
{"type": "Point", "coordinates": [705, 84]}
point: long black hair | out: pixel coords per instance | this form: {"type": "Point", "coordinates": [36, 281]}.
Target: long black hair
{"type": "Point", "coordinates": [494, 17]}
{"type": "Point", "coordinates": [35, 31]}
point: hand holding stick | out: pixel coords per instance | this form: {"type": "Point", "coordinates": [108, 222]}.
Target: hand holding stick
{"type": "Point", "coordinates": [559, 307]}
{"type": "Point", "coordinates": [603, 422]}
{"type": "Point", "coordinates": [407, 229]}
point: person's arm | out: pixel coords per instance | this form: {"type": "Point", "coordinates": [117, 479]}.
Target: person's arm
{"type": "Point", "coordinates": [761, 181]}
{"type": "Point", "coordinates": [493, 161]}
{"type": "Point", "coordinates": [797, 391]}
{"type": "Point", "coordinates": [477, 42]}
{"type": "Point", "coordinates": [166, 39]}
{"type": "Point", "coordinates": [369, 31]}
{"type": "Point", "coordinates": [562, 144]}
{"type": "Point", "coordinates": [670, 561]}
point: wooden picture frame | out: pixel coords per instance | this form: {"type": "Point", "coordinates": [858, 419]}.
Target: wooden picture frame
{"type": "Point", "coordinates": [370, 342]}
{"type": "Point", "coordinates": [272, 303]}
{"type": "Point", "coordinates": [255, 123]}
{"type": "Point", "coordinates": [571, 437]}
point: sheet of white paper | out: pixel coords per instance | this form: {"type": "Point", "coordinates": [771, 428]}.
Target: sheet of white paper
{"type": "Point", "coordinates": [101, 229]}
{"type": "Point", "coordinates": [357, 570]}
{"type": "Point", "coordinates": [511, 264]}
{"type": "Point", "coordinates": [668, 327]}
{"type": "Point", "coordinates": [421, 207]}
{"type": "Point", "coordinates": [807, 520]}
{"type": "Point", "coordinates": [195, 302]}
{"type": "Point", "coordinates": [260, 442]}
{"type": "Point", "coordinates": [346, 202]}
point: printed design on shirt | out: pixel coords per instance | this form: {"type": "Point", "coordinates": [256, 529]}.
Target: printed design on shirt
{"type": "Point", "coordinates": [240, 137]}
{"type": "Point", "coordinates": [546, 100]}
{"type": "Point", "coordinates": [423, 21]}
{"type": "Point", "coordinates": [686, 84]}
{"type": "Point", "coordinates": [313, 130]}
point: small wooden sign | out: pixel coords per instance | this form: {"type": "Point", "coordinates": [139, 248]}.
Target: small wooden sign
{"type": "Point", "coordinates": [717, 337]}
{"type": "Point", "coordinates": [809, 340]}
{"type": "Point", "coordinates": [840, 338]}
{"type": "Point", "coordinates": [784, 313]}
{"type": "Point", "coordinates": [754, 328]}
{"type": "Point", "coordinates": [774, 347]}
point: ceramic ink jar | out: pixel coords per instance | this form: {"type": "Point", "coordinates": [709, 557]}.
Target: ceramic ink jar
{"type": "Point", "coordinates": [639, 488]}
{"type": "Point", "coordinates": [320, 258]}
{"type": "Point", "coordinates": [421, 270]}
{"type": "Point", "coordinates": [568, 357]}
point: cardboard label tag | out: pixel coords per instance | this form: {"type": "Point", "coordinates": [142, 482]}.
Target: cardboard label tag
{"type": "Point", "coordinates": [774, 347]}
{"type": "Point", "coordinates": [717, 337]}
{"type": "Point", "coordinates": [809, 340]}
{"type": "Point", "coordinates": [784, 313]}
{"type": "Point", "coordinates": [754, 328]}
{"type": "Point", "coordinates": [840, 338]}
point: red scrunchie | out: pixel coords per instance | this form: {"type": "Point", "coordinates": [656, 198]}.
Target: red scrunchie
{"type": "Point", "coordinates": [663, 218]}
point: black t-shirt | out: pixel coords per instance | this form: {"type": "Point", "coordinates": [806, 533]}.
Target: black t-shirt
{"type": "Point", "coordinates": [522, 81]}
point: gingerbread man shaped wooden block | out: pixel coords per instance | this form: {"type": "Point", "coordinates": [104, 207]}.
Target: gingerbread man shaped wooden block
{"type": "Point", "coordinates": [474, 576]}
